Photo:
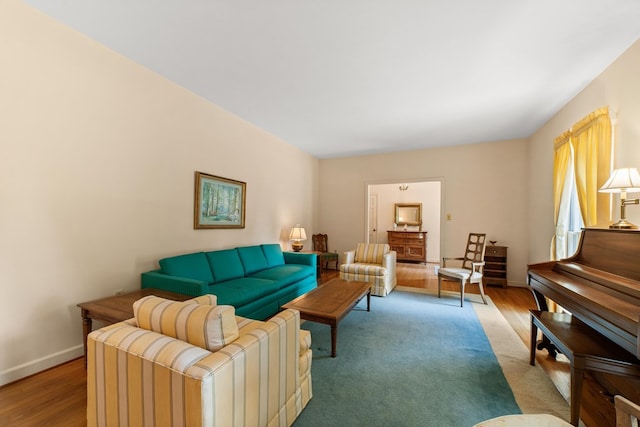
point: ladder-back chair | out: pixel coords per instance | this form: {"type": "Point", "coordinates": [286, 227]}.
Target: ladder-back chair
{"type": "Point", "coordinates": [471, 269]}
{"type": "Point", "coordinates": [321, 245]}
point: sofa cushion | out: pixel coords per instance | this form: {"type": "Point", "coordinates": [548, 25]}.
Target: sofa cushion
{"type": "Point", "coordinates": [191, 266]}
{"type": "Point", "coordinates": [252, 258]}
{"type": "Point", "coordinates": [363, 270]}
{"type": "Point", "coordinates": [273, 253]}
{"type": "Point", "coordinates": [225, 265]}
{"type": "Point", "coordinates": [371, 252]}
{"type": "Point", "coordinates": [239, 292]}
{"type": "Point", "coordinates": [285, 274]}
{"type": "Point", "coordinates": [206, 326]}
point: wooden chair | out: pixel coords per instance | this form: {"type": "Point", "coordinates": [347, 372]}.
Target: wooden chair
{"type": "Point", "coordinates": [627, 412]}
{"type": "Point", "coordinates": [321, 245]}
{"type": "Point", "coordinates": [472, 266]}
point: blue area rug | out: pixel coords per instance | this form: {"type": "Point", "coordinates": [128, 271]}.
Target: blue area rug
{"type": "Point", "coordinates": [414, 360]}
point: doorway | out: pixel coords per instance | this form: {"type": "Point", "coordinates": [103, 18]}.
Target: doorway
{"type": "Point", "coordinates": [382, 197]}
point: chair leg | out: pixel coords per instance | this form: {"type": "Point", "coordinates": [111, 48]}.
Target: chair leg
{"type": "Point", "coordinates": [484, 300]}
{"type": "Point", "coordinates": [462, 283]}
{"type": "Point", "coordinates": [439, 285]}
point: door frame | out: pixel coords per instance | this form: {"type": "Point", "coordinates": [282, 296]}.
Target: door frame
{"type": "Point", "coordinates": [369, 185]}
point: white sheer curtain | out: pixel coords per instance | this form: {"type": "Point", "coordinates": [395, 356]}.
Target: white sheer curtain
{"type": "Point", "coordinates": [569, 222]}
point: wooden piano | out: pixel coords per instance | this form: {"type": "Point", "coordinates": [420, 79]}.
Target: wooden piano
{"type": "Point", "coordinates": [600, 287]}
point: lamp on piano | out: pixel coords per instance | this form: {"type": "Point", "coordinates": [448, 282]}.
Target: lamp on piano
{"type": "Point", "coordinates": [623, 181]}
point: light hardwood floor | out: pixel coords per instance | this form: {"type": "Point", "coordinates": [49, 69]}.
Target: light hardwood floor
{"type": "Point", "coordinates": [57, 397]}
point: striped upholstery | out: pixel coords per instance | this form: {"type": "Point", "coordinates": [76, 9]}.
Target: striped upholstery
{"type": "Point", "coordinates": [365, 269]}
{"type": "Point", "coordinates": [137, 377]}
{"type": "Point", "coordinates": [207, 326]}
{"type": "Point", "coordinates": [371, 253]}
{"type": "Point", "coordinates": [371, 262]}
{"type": "Point", "coordinates": [208, 299]}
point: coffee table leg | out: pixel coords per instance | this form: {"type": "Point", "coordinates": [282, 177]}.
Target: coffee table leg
{"type": "Point", "coordinates": [369, 300]}
{"type": "Point", "coordinates": [334, 339]}
{"type": "Point", "coordinates": [86, 330]}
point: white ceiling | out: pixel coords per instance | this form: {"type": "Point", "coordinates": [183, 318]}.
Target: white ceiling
{"type": "Point", "coordinates": [349, 77]}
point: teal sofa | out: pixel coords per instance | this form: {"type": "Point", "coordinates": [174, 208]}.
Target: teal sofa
{"type": "Point", "coordinates": [256, 280]}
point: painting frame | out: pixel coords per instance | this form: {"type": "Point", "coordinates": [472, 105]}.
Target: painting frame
{"type": "Point", "coordinates": [218, 202]}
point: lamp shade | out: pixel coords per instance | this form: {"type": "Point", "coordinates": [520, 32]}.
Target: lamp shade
{"type": "Point", "coordinates": [297, 233]}
{"type": "Point", "coordinates": [622, 180]}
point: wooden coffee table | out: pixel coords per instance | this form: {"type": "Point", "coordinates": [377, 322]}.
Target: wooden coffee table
{"type": "Point", "coordinates": [330, 303]}
{"type": "Point", "coordinates": [117, 308]}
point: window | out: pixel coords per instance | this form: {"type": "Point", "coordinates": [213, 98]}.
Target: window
{"type": "Point", "coordinates": [582, 162]}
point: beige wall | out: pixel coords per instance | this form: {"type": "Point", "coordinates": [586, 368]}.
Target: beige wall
{"type": "Point", "coordinates": [96, 181]}
{"type": "Point", "coordinates": [619, 88]}
{"type": "Point", "coordinates": [484, 190]}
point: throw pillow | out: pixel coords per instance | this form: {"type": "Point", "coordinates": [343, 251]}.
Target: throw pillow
{"type": "Point", "coordinates": [203, 325]}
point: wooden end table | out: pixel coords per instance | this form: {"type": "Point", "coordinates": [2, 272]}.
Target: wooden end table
{"type": "Point", "coordinates": [330, 303]}
{"type": "Point", "coordinates": [117, 308]}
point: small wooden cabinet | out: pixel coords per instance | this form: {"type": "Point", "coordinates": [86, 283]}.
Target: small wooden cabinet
{"type": "Point", "coordinates": [495, 267]}
{"type": "Point", "coordinates": [409, 245]}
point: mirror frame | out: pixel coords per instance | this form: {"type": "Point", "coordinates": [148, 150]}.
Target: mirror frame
{"type": "Point", "coordinates": [417, 207]}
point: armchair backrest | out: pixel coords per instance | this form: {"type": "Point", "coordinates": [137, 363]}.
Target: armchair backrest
{"type": "Point", "coordinates": [475, 250]}
{"type": "Point", "coordinates": [371, 253]}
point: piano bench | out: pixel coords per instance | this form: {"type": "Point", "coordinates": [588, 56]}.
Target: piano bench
{"type": "Point", "coordinates": [585, 348]}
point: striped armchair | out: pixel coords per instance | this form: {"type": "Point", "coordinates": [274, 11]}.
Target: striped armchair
{"type": "Point", "coordinates": [371, 262]}
{"type": "Point", "coordinates": [140, 377]}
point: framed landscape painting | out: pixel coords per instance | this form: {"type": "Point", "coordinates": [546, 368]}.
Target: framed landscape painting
{"type": "Point", "coordinates": [219, 202]}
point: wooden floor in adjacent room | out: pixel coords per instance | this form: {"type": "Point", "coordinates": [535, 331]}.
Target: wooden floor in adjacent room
{"type": "Point", "coordinates": [57, 397]}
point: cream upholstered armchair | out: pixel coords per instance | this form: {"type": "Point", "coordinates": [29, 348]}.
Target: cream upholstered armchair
{"type": "Point", "coordinates": [194, 363]}
{"type": "Point", "coordinates": [371, 262]}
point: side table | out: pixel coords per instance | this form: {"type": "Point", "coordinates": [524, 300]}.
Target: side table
{"type": "Point", "coordinates": [321, 260]}
{"type": "Point", "coordinates": [117, 308]}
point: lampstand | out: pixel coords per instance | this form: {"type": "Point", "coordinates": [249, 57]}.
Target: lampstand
{"type": "Point", "coordinates": [623, 223]}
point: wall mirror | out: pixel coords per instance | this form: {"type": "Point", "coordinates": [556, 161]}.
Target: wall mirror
{"type": "Point", "coordinates": [408, 213]}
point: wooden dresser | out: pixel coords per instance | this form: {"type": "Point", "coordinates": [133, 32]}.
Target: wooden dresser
{"type": "Point", "coordinates": [409, 245]}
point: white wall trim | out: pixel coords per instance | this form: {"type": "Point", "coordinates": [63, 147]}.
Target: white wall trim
{"type": "Point", "coordinates": [33, 367]}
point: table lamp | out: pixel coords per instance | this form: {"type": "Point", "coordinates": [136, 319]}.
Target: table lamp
{"type": "Point", "coordinates": [297, 235]}
{"type": "Point", "coordinates": [623, 181]}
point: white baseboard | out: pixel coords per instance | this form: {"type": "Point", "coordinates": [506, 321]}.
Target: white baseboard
{"type": "Point", "coordinates": [33, 367]}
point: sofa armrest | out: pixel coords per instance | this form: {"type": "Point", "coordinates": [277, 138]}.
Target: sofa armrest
{"type": "Point", "coordinates": [477, 267]}
{"type": "Point", "coordinates": [181, 285]}
{"type": "Point", "coordinates": [349, 257]}
{"type": "Point", "coordinates": [389, 260]}
{"type": "Point", "coordinates": [300, 258]}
